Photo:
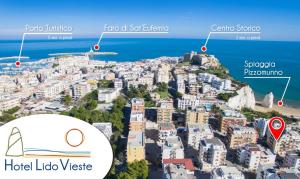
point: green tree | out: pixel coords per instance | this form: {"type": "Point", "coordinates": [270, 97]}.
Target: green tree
{"type": "Point", "coordinates": [7, 117]}
{"type": "Point", "coordinates": [12, 110]}
{"type": "Point", "coordinates": [91, 104]}
{"type": "Point", "coordinates": [105, 84]}
{"type": "Point", "coordinates": [162, 87]}
{"type": "Point", "coordinates": [67, 100]}
{"type": "Point", "coordinates": [138, 169]}
{"type": "Point", "coordinates": [226, 96]}
{"type": "Point", "coordinates": [124, 175]}
{"type": "Point", "coordinates": [178, 94]}
{"type": "Point", "coordinates": [90, 96]}
{"type": "Point", "coordinates": [54, 65]}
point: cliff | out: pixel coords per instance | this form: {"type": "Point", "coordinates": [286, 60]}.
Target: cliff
{"type": "Point", "coordinates": [268, 100]}
{"type": "Point", "coordinates": [245, 98]}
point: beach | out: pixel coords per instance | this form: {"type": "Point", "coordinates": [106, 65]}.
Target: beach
{"type": "Point", "coordinates": [285, 110]}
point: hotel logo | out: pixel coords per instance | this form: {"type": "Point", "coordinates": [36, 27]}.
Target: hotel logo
{"type": "Point", "coordinates": [44, 146]}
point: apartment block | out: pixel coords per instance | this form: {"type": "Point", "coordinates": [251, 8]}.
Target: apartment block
{"type": "Point", "coordinates": [173, 148]}
{"type": "Point", "coordinates": [238, 136]}
{"type": "Point", "coordinates": [9, 102]}
{"type": "Point", "coordinates": [137, 122]}
{"type": "Point", "coordinates": [108, 95]}
{"type": "Point", "coordinates": [135, 146]}
{"type": "Point", "coordinates": [231, 118]}
{"type": "Point", "coordinates": [165, 112]}
{"type": "Point", "coordinates": [223, 172]}
{"type": "Point", "coordinates": [212, 153]}
{"type": "Point", "coordinates": [197, 132]}
{"type": "Point", "coordinates": [166, 129]}
{"type": "Point", "coordinates": [289, 141]}
{"type": "Point", "coordinates": [188, 102]}
{"type": "Point", "coordinates": [178, 168]}
{"type": "Point", "coordinates": [197, 116]}
{"type": "Point", "coordinates": [80, 89]}
{"type": "Point", "coordinates": [137, 105]}
{"type": "Point", "coordinates": [252, 155]}
{"type": "Point", "coordinates": [118, 83]}
{"type": "Point", "coordinates": [292, 160]}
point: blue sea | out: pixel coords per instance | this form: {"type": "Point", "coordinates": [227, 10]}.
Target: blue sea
{"type": "Point", "coordinates": [231, 53]}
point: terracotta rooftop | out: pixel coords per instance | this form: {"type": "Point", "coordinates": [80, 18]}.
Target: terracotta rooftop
{"type": "Point", "coordinates": [186, 162]}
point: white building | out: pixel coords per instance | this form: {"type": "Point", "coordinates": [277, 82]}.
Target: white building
{"type": "Point", "coordinates": [266, 172]}
{"type": "Point", "coordinates": [212, 153]}
{"type": "Point", "coordinates": [216, 82]}
{"type": "Point", "coordinates": [137, 117]}
{"type": "Point", "coordinates": [173, 148]}
{"type": "Point", "coordinates": [192, 78]}
{"type": "Point", "coordinates": [188, 102]}
{"type": "Point", "coordinates": [118, 83]}
{"type": "Point", "coordinates": [223, 172]}
{"type": "Point", "coordinates": [178, 169]}
{"type": "Point", "coordinates": [269, 172]}
{"type": "Point", "coordinates": [50, 90]}
{"type": "Point", "coordinates": [162, 74]}
{"type": "Point", "coordinates": [206, 77]}
{"type": "Point", "coordinates": [292, 160]}
{"type": "Point", "coordinates": [132, 83]}
{"type": "Point", "coordinates": [146, 80]}
{"type": "Point", "coordinates": [261, 125]}
{"type": "Point", "coordinates": [8, 102]}
{"type": "Point", "coordinates": [107, 95]}
{"type": "Point", "coordinates": [221, 84]}
{"type": "Point", "coordinates": [180, 86]}
{"type": "Point", "coordinates": [206, 88]}
{"type": "Point", "coordinates": [197, 132]}
{"type": "Point", "coordinates": [80, 89]}
{"type": "Point", "coordinates": [74, 61]}
{"type": "Point", "coordinates": [166, 129]}
{"type": "Point", "coordinates": [251, 155]}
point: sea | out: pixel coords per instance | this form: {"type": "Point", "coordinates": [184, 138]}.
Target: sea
{"type": "Point", "coordinates": [231, 53]}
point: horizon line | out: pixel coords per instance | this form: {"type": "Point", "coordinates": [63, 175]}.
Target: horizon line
{"type": "Point", "coordinates": [187, 38]}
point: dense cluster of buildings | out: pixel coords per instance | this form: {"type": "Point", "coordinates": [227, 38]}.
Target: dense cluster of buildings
{"type": "Point", "coordinates": [193, 130]}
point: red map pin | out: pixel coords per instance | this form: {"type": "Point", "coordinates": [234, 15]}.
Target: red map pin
{"type": "Point", "coordinates": [96, 47]}
{"type": "Point", "coordinates": [18, 63]}
{"type": "Point", "coordinates": [276, 126]}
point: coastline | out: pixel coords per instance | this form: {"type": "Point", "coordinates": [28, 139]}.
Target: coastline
{"type": "Point", "coordinates": [134, 49]}
{"type": "Point", "coordinates": [285, 110]}
{"type": "Point", "coordinates": [290, 111]}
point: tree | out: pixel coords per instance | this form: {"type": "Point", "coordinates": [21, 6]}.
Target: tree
{"type": "Point", "coordinates": [91, 104]}
{"type": "Point", "coordinates": [12, 110]}
{"type": "Point", "coordinates": [135, 170]}
{"type": "Point", "coordinates": [55, 65]}
{"type": "Point", "coordinates": [226, 96]}
{"type": "Point", "coordinates": [140, 92]}
{"type": "Point", "coordinates": [124, 175]}
{"type": "Point", "coordinates": [138, 169]}
{"type": "Point", "coordinates": [89, 96]}
{"type": "Point", "coordinates": [162, 87]}
{"type": "Point", "coordinates": [7, 117]}
{"type": "Point", "coordinates": [67, 100]}
{"type": "Point", "coordinates": [178, 94]}
{"type": "Point", "coordinates": [105, 84]}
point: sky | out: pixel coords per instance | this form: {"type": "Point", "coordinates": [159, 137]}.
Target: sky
{"type": "Point", "coordinates": [279, 20]}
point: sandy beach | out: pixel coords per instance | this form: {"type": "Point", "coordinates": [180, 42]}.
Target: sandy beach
{"type": "Point", "coordinates": [285, 110]}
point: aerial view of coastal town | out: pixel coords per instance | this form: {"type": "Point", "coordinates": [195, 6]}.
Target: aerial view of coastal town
{"type": "Point", "coordinates": [178, 89]}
